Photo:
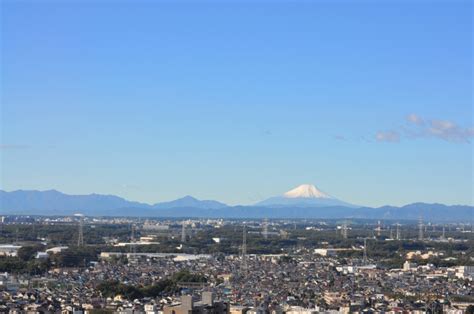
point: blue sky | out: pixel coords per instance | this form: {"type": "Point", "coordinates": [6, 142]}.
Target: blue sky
{"type": "Point", "coordinates": [238, 101]}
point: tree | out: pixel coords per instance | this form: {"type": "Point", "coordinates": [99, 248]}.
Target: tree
{"type": "Point", "coordinates": [27, 253]}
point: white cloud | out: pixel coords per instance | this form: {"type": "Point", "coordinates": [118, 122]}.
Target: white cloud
{"type": "Point", "coordinates": [449, 131]}
{"type": "Point", "coordinates": [387, 136]}
{"type": "Point", "coordinates": [420, 127]}
{"type": "Point", "coordinates": [416, 119]}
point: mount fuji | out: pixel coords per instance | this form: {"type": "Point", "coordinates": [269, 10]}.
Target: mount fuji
{"type": "Point", "coordinates": [305, 195]}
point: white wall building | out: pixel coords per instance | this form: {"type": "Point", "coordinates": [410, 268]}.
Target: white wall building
{"type": "Point", "coordinates": [464, 272]}
{"type": "Point", "coordinates": [9, 250]}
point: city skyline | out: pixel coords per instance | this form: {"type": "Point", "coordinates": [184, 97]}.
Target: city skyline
{"type": "Point", "coordinates": [239, 102]}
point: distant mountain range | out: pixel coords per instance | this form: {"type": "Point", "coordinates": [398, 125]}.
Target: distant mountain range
{"type": "Point", "coordinates": [53, 202]}
{"type": "Point", "coordinates": [190, 202]}
{"type": "Point", "coordinates": [305, 201]}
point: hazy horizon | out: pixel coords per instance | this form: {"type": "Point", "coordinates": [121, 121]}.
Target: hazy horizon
{"type": "Point", "coordinates": [158, 201]}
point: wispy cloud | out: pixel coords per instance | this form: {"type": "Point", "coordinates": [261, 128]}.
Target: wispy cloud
{"type": "Point", "coordinates": [416, 119]}
{"type": "Point", "coordinates": [13, 146]}
{"type": "Point", "coordinates": [388, 136]}
{"type": "Point", "coordinates": [340, 137]}
{"type": "Point", "coordinates": [418, 127]}
{"type": "Point", "coordinates": [450, 131]}
{"type": "Point", "coordinates": [441, 129]}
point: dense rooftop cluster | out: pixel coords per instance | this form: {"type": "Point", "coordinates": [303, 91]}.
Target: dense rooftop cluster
{"type": "Point", "coordinates": [200, 267]}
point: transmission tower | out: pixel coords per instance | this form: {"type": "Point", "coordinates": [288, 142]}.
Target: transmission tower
{"type": "Point", "coordinates": [265, 228]}
{"type": "Point", "coordinates": [80, 237]}
{"type": "Point", "coordinates": [244, 249]}
{"type": "Point", "coordinates": [398, 232]}
{"type": "Point", "coordinates": [133, 241]}
{"type": "Point", "coordinates": [379, 228]}
{"type": "Point", "coordinates": [391, 232]}
{"type": "Point", "coordinates": [344, 230]}
{"type": "Point", "coordinates": [183, 233]}
{"type": "Point", "coordinates": [443, 236]}
{"type": "Point", "coordinates": [365, 252]}
{"type": "Point", "coordinates": [420, 229]}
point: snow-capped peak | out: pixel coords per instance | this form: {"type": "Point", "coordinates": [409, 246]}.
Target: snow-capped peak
{"type": "Point", "coordinates": [306, 191]}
